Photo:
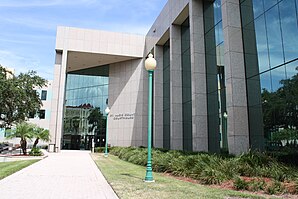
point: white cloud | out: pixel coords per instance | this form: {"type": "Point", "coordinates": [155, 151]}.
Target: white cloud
{"type": "Point", "coordinates": [16, 41]}
{"type": "Point", "coordinates": [29, 22]}
{"type": "Point", "coordinates": [30, 25]}
{"type": "Point", "coordinates": [24, 64]}
{"type": "Point", "coordinates": [42, 3]}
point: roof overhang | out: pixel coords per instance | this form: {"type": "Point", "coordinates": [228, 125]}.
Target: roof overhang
{"type": "Point", "coordinates": [83, 60]}
{"type": "Point", "coordinates": [91, 48]}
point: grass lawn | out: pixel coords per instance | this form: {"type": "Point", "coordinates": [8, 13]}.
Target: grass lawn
{"type": "Point", "coordinates": [8, 168]}
{"type": "Point", "coordinates": [127, 181]}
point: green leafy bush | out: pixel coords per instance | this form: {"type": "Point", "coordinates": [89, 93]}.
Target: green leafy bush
{"type": "Point", "coordinates": [211, 168]}
{"type": "Point", "coordinates": [35, 152]}
{"type": "Point", "coordinates": [257, 185]}
{"type": "Point", "coordinates": [240, 184]}
{"type": "Point", "coordinates": [99, 149]}
{"type": "Point", "coordinates": [211, 176]}
{"type": "Point", "coordinates": [274, 187]}
{"type": "Point", "coordinates": [285, 134]}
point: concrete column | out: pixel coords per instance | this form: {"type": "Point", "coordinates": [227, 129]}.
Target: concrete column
{"type": "Point", "coordinates": [253, 80]}
{"type": "Point", "coordinates": [176, 88]}
{"type": "Point", "coordinates": [198, 86]}
{"type": "Point", "coordinates": [238, 128]}
{"type": "Point", "coordinates": [56, 123]}
{"type": "Point", "coordinates": [158, 99]}
{"type": "Point", "coordinates": [54, 102]}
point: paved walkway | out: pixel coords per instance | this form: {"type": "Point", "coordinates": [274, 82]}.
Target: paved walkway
{"type": "Point", "coordinates": [65, 175]}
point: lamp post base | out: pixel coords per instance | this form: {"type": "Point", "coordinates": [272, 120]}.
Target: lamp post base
{"type": "Point", "coordinates": [105, 155]}
{"type": "Point", "coordinates": [149, 176]}
{"type": "Point", "coordinates": [149, 181]}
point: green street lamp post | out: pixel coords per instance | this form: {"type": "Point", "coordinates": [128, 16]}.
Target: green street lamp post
{"type": "Point", "coordinates": [107, 110]}
{"type": "Point", "coordinates": [150, 65]}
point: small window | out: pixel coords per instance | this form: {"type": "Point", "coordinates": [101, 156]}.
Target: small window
{"type": "Point", "coordinates": [43, 95]}
{"type": "Point", "coordinates": [42, 114]}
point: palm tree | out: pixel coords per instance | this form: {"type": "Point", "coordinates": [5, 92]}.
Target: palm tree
{"type": "Point", "coordinates": [24, 131]}
{"type": "Point", "coordinates": [40, 134]}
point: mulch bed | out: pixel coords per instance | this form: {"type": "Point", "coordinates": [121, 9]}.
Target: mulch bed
{"type": "Point", "coordinates": [290, 186]}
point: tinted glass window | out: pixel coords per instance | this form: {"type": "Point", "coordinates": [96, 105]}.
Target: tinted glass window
{"type": "Point", "coordinates": [42, 114]}
{"type": "Point", "coordinates": [271, 41]}
{"type": "Point", "coordinates": [43, 95]}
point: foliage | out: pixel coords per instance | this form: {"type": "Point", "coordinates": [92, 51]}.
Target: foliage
{"type": "Point", "coordinates": [274, 187]}
{"type": "Point", "coordinates": [99, 149]}
{"type": "Point", "coordinates": [96, 119]}
{"type": "Point", "coordinates": [287, 156]}
{"type": "Point", "coordinates": [214, 169]}
{"type": "Point", "coordinates": [285, 134]}
{"type": "Point", "coordinates": [17, 96]}
{"type": "Point", "coordinates": [280, 107]}
{"type": "Point", "coordinates": [240, 184]}
{"type": "Point", "coordinates": [257, 185]}
{"type": "Point", "coordinates": [35, 152]}
{"type": "Point", "coordinates": [25, 132]}
{"type": "Point", "coordinates": [40, 134]}
{"type": "Point", "coordinates": [126, 180]}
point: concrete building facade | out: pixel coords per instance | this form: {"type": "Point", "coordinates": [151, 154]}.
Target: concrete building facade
{"type": "Point", "coordinates": [219, 65]}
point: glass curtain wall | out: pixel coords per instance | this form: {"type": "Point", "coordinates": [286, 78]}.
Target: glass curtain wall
{"type": "Point", "coordinates": [84, 116]}
{"type": "Point", "coordinates": [270, 30]}
{"type": "Point", "coordinates": [186, 86]}
{"type": "Point", "coordinates": [166, 95]}
{"type": "Point", "coordinates": [216, 97]}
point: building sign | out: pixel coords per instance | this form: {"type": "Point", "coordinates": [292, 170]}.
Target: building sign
{"type": "Point", "coordinates": [122, 116]}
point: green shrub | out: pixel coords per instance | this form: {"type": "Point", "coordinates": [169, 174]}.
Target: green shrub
{"type": "Point", "coordinates": [240, 184]}
{"type": "Point", "coordinates": [211, 176]}
{"type": "Point", "coordinates": [256, 185]}
{"type": "Point", "coordinates": [274, 187]}
{"type": "Point", "coordinates": [275, 171]}
{"type": "Point", "coordinates": [285, 134]}
{"type": "Point", "coordinates": [115, 150]}
{"type": "Point", "coordinates": [177, 166]}
{"type": "Point", "coordinates": [286, 155]}
{"type": "Point", "coordinates": [35, 152]}
{"type": "Point", "coordinates": [160, 161]}
{"type": "Point", "coordinates": [229, 168]}
{"type": "Point", "coordinates": [255, 159]}
{"type": "Point", "coordinates": [138, 156]}
{"type": "Point", "coordinates": [99, 149]}
{"type": "Point", "coordinates": [210, 168]}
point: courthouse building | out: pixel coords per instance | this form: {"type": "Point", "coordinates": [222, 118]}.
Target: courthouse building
{"type": "Point", "coordinates": [226, 78]}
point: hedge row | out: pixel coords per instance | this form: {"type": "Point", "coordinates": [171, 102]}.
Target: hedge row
{"type": "Point", "coordinates": [209, 168]}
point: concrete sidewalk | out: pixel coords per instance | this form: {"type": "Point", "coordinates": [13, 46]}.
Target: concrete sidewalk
{"type": "Point", "coordinates": [65, 175]}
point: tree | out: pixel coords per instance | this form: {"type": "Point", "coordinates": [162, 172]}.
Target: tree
{"type": "Point", "coordinates": [40, 134]}
{"type": "Point", "coordinates": [17, 96]}
{"type": "Point", "coordinates": [95, 118]}
{"type": "Point", "coordinates": [25, 131]}
{"type": "Point", "coordinates": [280, 108]}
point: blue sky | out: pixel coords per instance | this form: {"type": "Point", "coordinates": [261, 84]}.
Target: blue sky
{"type": "Point", "coordinates": [28, 27]}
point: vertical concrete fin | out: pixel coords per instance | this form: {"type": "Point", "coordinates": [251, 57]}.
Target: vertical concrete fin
{"type": "Point", "coordinates": [198, 76]}
{"type": "Point", "coordinates": [176, 88]}
{"type": "Point", "coordinates": [238, 130]}
{"type": "Point", "coordinates": [158, 98]}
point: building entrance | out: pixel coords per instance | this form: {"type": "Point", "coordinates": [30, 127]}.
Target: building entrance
{"type": "Point", "coordinates": [84, 119]}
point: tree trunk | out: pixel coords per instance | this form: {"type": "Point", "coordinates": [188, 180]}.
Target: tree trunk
{"type": "Point", "coordinates": [35, 143]}
{"type": "Point", "coordinates": [24, 146]}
